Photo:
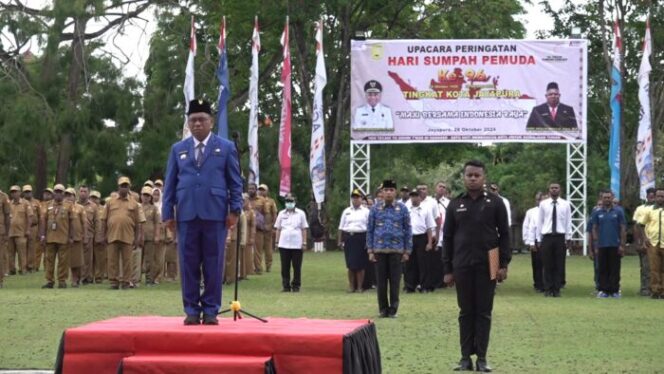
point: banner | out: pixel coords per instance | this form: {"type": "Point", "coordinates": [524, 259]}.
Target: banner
{"type": "Point", "coordinates": [616, 112]}
{"type": "Point", "coordinates": [317, 152]}
{"type": "Point", "coordinates": [285, 125]}
{"type": "Point", "coordinates": [411, 91]}
{"type": "Point", "coordinates": [224, 85]}
{"type": "Point", "coordinates": [188, 87]}
{"type": "Point", "coordinates": [644, 159]}
{"type": "Point", "coordinates": [252, 137]}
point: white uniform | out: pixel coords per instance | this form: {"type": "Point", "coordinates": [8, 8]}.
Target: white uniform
{"type": "Point", "coordinates": [529, 230]}
{"type": "Point", "coordinates": [378, 118]}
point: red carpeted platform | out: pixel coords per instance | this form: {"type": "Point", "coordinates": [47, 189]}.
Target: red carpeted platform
{"type": "Point", "coordinates": [294, 345]}
{"type": "Point", "coordinates": [196, 364]}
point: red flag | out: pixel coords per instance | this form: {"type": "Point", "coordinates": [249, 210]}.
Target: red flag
{"type": "Point", "coordinates": [285, 126]}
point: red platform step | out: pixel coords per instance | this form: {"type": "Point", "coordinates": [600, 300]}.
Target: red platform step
{"type": "Point", "coordinates": [295, 345]}
{"type": "Point", "coordinates": [196, 364]}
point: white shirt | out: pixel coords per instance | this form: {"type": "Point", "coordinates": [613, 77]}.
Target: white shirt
{"type": "Point", "coordinates": [563, 218]}
{"type": "Point", "coordinates": [509, 210]}
{"type": "Point", "coordinates": [529, 229]}
{"type": "Point", "coordinates": [354, 219]}
{"type": "Point", "coordinates": [205, 141]}
{"type": "Point", "coordinates": [443, 203]}
{"type": "Point", "coordinates": [291, 225]}
{"type": "Point", "coordinates": [421, 220]}
{"type": "Point", "coordinates": [432, 205]}
{"type": "Point", "coordinates": [373, 118]}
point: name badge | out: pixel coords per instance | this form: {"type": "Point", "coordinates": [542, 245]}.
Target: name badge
{"type": "Point", "coordinates": [461, 209]}
{"type": "Point", "coordinates": [54, 226]}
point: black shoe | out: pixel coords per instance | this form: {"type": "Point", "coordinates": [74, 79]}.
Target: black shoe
{"type": "Point", "coordinates": [285, 289]}
{"type": "Point", "coordinates": [548, 294]}
{"type": "Point", "coordinates": [465, 364]}
{"type": "Point", "coordinates": [483, 366]}
{"type": "Point", "coordinates": [555, 293]}
{"type": "Point", "coordinates": [12, 272]}
{"type": "Point", "coordinates": [384, 314]}
{"type": "Point", "coordinates": [393, 315]}
{"type": "Point", "coordinates": [296, 289]}
{"type": "Point", "coordinates": [114, 287]}
{"type": "Point", "coordinates": [62, 285]}
{"type": "Point", "coordinates": [210, 320]}
{"type": "Point", "coordinates": [47, 285]}
{"type": "Point", "coordinates": [192, 320]}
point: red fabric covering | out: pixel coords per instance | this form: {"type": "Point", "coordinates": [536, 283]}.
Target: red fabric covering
{"type": "Point", "coordinates": [296, 345]}
{"type": "Point", "coordinates": [193, 364]}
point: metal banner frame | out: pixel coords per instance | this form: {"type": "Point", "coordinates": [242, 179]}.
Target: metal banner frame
{"type": "Point", "coordinates": [360, 178]}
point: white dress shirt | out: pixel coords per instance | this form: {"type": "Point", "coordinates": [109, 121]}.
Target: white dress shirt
{"type": "Point", "coordinates": [196, 143]}
{"type": "Point", "coordinates": [443, 202]}
{"type": "Point", "coordinates": [421, 220]}
{"type": "Point", "coordinates": [563, 218]}
{"type": "Point", "coordinates": [509, 210]}
{"type": "Point", "coordinates": [354, 219]}
{"type": "Point", "coordinates": [529, 229]}
{"type": "Point", "coordinates": [291, 224]}
{"type": "Point", "coordinates": [432, 205]}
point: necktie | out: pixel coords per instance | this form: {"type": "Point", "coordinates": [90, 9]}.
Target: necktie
{"type": "Point", "coordinates": [373, 109]}
{"type": "Point", "coordinates": [199, 154]}
{"type": "Point", "coordinates": [554, 219]}
{"type": "Point", "coordinates": [553, 113]}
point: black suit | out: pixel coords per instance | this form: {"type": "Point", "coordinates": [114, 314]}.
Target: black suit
{"type": "Point", "coordinates": [540, 117]}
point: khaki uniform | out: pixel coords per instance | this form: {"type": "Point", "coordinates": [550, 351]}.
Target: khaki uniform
{"type": "Point", "coordinates": [33, 239]}
{"type": "Point", "coordinates": [78, 232]}
{"type": "Point", "coordinates": [40, 248]}
{"type": "Point", "coordinates": [264, 239]}
{"type": "Point", "coordinates": [123, 217]}
{"type": "Point", "coordinates": [57, 222]}
{"type": "Point", "coordinates": [653, 220]}
{"type": "Point", "coordinates": [99, 256]}
{"type": "Point", "coordinates": [151, 242]}
{"type": "Point", "coordinates": [5, 211]}
{"type": "Point", "coordinates": [230, 255]}
{"type": "Point", "coordinates": [92, 221]}
{"type": "Point", "coordinates": [247, 263]}
{"type": "Point", "coordinates": [171, 255]}
{"type": "Point", "coordinates": [20, 222]}
{"type": "Point", "coordinates": [155, 271]}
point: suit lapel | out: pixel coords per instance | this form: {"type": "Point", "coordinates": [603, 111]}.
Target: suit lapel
{"type": "Point", "coordinates": [190, 150]}
{"type": "Point", "coordinates": [212, 144]}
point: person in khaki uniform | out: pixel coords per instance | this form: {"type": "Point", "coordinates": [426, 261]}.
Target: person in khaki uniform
{"type": "Point", "coordinates": [246, 261]}
{"type": "Point", "coordinates": [230, 255]}
{"type": "Point", "coordinates": [267, 235]}
{"type": "Point", "coordinates": [20, 222]}
{"type": "Point", "coordinates": [652, 218]}
{"type": "Point", "coordinates": [171, 255]}
{"type": "Point", "coordinates": [34, 228]}
{"type": "Point", "coordinates": [5, 211]}
{"type": "Point", "coordinates": [78, 232]}
{"type": "Point", "coordinates": [47, 196]}
{"type": "Point", "coordinates": [99, 248]}
{"type": "Point", "coordinates": [56, 232]}
{"type": "Point", "coordinates": [92, 221]}
{"type": "Point", "coordinates": [153, 252]}
{"type": "Point", "coordinates": [123, 220]}
{"type": "Point", "coordinates": [258, 204]}
{"type": "Point", "coordinates": [156, 269]}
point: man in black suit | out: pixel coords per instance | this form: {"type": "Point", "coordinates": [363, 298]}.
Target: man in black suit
{"type": "Point", "coordinates": [553, 113]}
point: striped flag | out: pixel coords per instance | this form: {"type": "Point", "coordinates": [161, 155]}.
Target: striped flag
{"type": "Point", "coordinates": [224, 85]}
{"type": "Point", "coordinates": [644, 159]}
{"type": "Point", "coordinates": [285, 126]}
{"type": "Point", "coordinates": [188, 88]}
{"type": "Point", "coordinates": [252, 137]}
{"type": "Point", "coordinates": [317, 152]}
{"type": "Point", "coordinates": [616, 111]}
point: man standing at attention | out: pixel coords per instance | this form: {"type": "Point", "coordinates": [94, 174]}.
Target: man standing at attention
{"type": "Point", "coordinates": [554, 232]}
{"type": "Point", "coordinates": [389, 244]}
{"type": "Point", "coordinates": [609, 227]}
{"type": "Point", "coordinates": [204, 185]}
{"type": "Point", "coordinates": [654, 242]}
{"type": "Point", "coordinates": [269, 216]}
{"type": "Point", "coordinates": [476, 252]}
{"type": "Point", "coordinates": [640, 239]}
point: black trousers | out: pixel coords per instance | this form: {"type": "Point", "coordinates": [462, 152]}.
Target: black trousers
{"type": "Point", "coordinates": [475, 292]}
{"type": "Point", "coordinates": [553, 262]}
{"type": "Point", "coordinates": [289, 256]}
{"type": "Point", "coordinates": [413, 269]}
{"type": "Point", "coordinates": [536, 263]}
{"type": "Point", "coordinates": [426, 262]}
{"type": "Point", "coordinates": [388, 271]}
{"type": "Point", "coordinates": [608, 266]}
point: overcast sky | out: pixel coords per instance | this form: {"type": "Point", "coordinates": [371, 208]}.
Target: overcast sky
{"type": "Point", "coordinates": [133, 41]}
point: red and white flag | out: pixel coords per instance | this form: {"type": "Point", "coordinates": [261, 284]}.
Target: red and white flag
{"type": "Point", "coordinates": [188, 88]}
{"type": "Point", "coordinates": [252, 138]}
{"type": "Point", "coordinates": [285, 126]}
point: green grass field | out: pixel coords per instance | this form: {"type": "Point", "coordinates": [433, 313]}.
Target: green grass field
{"type": "Point", "coordinates": [575, 333]}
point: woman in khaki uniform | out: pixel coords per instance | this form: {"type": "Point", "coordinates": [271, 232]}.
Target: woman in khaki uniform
{"type": "Point", "coordinates": [153, 254]}
{"type": "Point", "coordinates": [171, 255]}
{"type": "Point", "coordinates": [79, 226]}
{"type": "Point", "coordinates": [20, 222]}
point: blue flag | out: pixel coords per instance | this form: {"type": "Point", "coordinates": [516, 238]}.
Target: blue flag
{"type": "Point", "coordinates": [616, 113]}
{"type": "Point", "coordinates": [224, 85]}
